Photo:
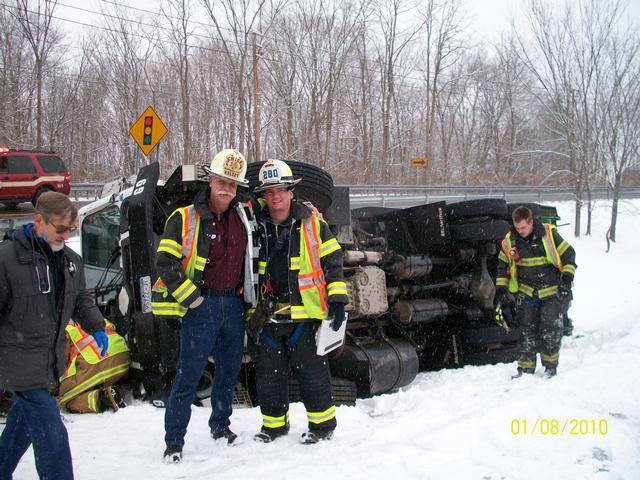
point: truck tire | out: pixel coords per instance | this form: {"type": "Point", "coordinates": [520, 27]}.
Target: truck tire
{"type": "Point", "coordinates": [39, 192]}
{"type": "Point", "coordinates": [316, 185]}
{"type": "Point", "coordinates": [490, 231]}
{"type": "Point", "coordinates": [491, 356]}
{"type": "Point", "coordinates": [484, 207]}
{"type": "Point", "coordinates": [344, 391]}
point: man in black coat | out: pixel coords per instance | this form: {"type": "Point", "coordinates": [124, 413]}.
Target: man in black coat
{"type": "Point", "coordinates": [536, 268]}
{"type": "Point", "coordinates": [42, 286]}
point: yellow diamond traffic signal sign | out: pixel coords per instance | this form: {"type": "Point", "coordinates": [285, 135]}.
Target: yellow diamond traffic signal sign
{"type": "Point", "coordinates": [148, 130]}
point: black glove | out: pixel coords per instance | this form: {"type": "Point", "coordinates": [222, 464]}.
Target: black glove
{"type": "Point", "coordinates": [257, 319]}
{"type": "Point", "coordinates": [564, 288]}
{"type": "Point", "coordinates": [503, 297]}
{"type": "Point", "coordinates": [336, 310]}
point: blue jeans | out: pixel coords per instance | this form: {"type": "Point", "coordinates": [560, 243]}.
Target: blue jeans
{"type": "Point", "coordinates": [216, 327]}
{"type": "Point", "coordinates": [35, 418]}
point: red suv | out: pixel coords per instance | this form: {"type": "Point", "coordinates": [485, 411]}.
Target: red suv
{"type": "Point", "coordinates": [26, 174]}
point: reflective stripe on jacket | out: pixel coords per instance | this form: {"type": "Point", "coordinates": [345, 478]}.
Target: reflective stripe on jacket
{"type": "Point", "coordinates": [315, 273]}
{"type": "Point", "coordinates": [183, 254]}
{"type": "Point", "coordinates": [86, 369]}
{"type": "Point", "coordinates": [560, 257]}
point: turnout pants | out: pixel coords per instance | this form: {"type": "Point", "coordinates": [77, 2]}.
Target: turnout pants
{"type": "Point", "coordinates": [215, 327]}
{"type": "Point", "coordinates": [275, 359]}
{"type": "Point", "coordinates": [541, 327]}
{"type": "Point", "coordinates": [34, 418]}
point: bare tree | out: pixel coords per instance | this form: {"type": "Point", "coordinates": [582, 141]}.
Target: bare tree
{"type": "Point", "coordinates": [444, 42]}
{"type": "Point", "coordinates": [395, 39]}
{"type": "Point", "coordinates": [176, 48]}
{"type": "Point", "coordinates": [37, 28]}
{"type": "Point", "coordinates": [242, 17]}
{"type": "Point", "coordinates": [619, 119]}
{"type": "Point", "coordinates": [567, 47]}
{"type": "Point", "coordinates": [120, 66]}
{"type": "Point", "coordinates": [15, 80]}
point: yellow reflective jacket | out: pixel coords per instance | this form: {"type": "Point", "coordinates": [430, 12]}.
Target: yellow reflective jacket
{"type": "Point", "coordinates": [183, 254]}
{"type": "Point", "coordinates": [86, 368]}
{"type": "Point", "coordinates": [315, 274]}
{"type": "Point", "coordinates": [535, 268]}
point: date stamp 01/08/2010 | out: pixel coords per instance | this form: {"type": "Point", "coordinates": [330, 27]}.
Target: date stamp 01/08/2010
{"type": "Point", "coordinates": [560, 427]}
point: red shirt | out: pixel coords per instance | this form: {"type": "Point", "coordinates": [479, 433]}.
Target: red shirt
{"type": "Point", "coordinates": [226, 251]}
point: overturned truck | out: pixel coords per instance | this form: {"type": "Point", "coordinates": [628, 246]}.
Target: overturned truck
{"type": "Point", "coordinates": [420, 282]}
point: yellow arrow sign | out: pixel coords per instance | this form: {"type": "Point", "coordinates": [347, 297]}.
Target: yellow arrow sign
{"type": "Point", "coordinates": [419, 162]}
{"type": "Point", "coordinates": [148, 130]}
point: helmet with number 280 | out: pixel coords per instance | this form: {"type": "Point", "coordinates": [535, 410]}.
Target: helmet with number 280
{"type": "Point", "coordinates": [276, 174]}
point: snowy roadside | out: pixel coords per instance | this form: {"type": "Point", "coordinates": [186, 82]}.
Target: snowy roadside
{"type": "Point", "coordinates": [466, 423]}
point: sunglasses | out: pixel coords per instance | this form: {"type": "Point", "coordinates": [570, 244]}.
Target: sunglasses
{"type": "Point", "coordinates": [60, 229]}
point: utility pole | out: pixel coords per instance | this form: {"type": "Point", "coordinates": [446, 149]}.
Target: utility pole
{"type": "Point", "coordinates": [256, 98]}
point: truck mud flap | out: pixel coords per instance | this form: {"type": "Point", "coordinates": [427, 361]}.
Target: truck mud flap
{"type": "Point", "coordinates": [417, 229]}
{"type": "Point", "coordinates": [482, 207]}
{"type": "Point", "coordinates": [377, 366]}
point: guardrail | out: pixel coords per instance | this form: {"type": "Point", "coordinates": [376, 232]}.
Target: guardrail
{"type": "Point", "coordinates": [395, 196]}
{"type": "Point", "coordinates": [407, 195]}
{"type": "Point", "coordinates": [92, 190]}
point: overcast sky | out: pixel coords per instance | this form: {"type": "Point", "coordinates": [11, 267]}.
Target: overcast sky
{"type": "Point", "coordinates": [488, 18]}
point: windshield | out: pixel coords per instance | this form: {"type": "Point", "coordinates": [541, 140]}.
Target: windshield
{"type": "Point", "coordinates": [100, 235]}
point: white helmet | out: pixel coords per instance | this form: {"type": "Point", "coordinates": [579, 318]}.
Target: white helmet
{"type": "Point", "coordinates": [275, 174]}
{"type": "Point", "coordinates": [229, 165]}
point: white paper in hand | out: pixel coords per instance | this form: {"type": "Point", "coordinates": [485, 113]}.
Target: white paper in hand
{"type": "Point", "coordinates": [327, 339]}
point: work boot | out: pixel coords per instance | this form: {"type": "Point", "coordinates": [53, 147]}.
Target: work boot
{"type": "Point", "coordinates": [224, 433]}
{"type": "Point", "coordinates": [111, 398]}
{"type": "Point", "coordinates": [522, 371]}
{"type": "Point", "coordinates": [550, 372]}
{"type": "Point", "coordinates": [173, 453]}
{"type": "Point", "coordinates": [314, 436]}
{"type": "Point", "coordinates": [268, 435]}
{"type": "Point", "coordinates": [117, 396]}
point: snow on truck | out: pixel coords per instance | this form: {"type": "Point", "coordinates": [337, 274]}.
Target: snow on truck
{"type": "Point", "coordinates": [420, 282]}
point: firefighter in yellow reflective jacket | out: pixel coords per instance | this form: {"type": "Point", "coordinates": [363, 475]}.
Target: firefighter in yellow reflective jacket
{"type": "Point", "coordinates": [207, 262]}
{"type": "Point", "coordinates": [536, 270]}
{"type": "Point", "coordinates": [87, 383]}
{"type": "Point", "coordinates": [301, 278]}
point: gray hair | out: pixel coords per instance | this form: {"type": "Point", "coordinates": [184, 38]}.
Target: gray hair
{"type": "Point", "coordinates": [54, 204]}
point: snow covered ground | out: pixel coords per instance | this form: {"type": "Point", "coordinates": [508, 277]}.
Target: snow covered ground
{"type": "Point", "coordinates": [471, 423]}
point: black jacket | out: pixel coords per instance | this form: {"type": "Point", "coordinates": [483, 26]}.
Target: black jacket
{"type": "Point", "coordinates": [284, 278]}
{"type": "Point", "coordinates": [538, 276]}
{"type": "Point", "coordinates": [32, 340]}
{"type": "Point", "coordinates": [169, 267]}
